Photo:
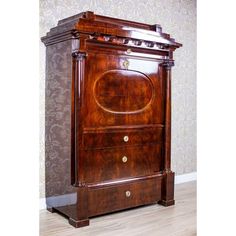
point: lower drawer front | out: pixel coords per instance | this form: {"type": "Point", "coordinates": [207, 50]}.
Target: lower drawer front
{"type": "Point", "coordinates": [122, 196]}
{"type": "Point", "coordinates": [115, 163]}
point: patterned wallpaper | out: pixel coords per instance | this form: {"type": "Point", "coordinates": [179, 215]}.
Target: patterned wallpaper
{"type": "Point", "coordinates": [177, 17]}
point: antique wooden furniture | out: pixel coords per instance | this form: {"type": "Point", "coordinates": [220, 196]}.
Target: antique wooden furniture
{"type": "Point", "coordinates": [108, 116]}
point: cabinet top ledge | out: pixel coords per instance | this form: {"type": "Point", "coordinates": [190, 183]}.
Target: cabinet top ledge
{"type": "Point", "coordinates": [92, 24]}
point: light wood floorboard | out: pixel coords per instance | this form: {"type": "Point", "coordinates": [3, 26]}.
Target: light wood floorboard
{"type": "Point", "coordinates": [178, 220]}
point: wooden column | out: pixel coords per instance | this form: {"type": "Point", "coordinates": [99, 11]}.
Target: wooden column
{"type": "Point", "coordinates": [168, 175]}
{"type": "Point", "coordinates": [76, 120]}
{"type": "Point", "coordinates": [80, 217]}
{"type": "Point", "coordinates": [167, 146]}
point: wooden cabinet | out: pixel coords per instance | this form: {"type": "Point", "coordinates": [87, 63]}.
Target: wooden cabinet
{"type": "Point", "coordinates": [108, 116]}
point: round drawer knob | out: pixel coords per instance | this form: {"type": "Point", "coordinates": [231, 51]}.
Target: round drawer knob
{"type": "Point", "coordinates": [126, 138]}
{"type": "Point", "coordinates": [124, 158]}
{"type": "Point", "coordinates": [127, 193]}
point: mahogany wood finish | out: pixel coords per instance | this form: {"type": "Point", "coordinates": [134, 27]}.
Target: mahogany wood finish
{"type": "Point", "coordinates": [108, 116]}
{"type": "Point", "coordinates": [123, 196]}
{"type": "Point", "coordinates": [122, 162]}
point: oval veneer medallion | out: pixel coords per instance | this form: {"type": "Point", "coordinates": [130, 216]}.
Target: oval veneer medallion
{"type": "Point", "coordinates": [123, 91]}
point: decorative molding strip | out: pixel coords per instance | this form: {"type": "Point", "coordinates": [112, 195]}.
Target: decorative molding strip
{"type": "Point", "coordinates": [129, 41]}
{"type": "Point", "coordinates": [179, 179]}
{"type": "Point", "coordinates": [59, 37]}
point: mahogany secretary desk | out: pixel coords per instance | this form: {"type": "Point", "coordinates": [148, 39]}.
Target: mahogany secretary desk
{"type": "Point", "coordinates": [108, 116]}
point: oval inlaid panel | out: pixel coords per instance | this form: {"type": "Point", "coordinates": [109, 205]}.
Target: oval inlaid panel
{"type": "Point", "coordinates": [123, 91]}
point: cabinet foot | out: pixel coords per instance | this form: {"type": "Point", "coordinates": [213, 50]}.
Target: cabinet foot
{"type": "Point", "coordinates": [167, 192]}
{"type": "Point", "coordinates": [166, 203]}
{"type": "Point", "coordinates": [78, 223]}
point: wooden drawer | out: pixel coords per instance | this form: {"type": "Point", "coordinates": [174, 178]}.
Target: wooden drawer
{"type": "Point", "coordinates": [115, 163]}
{"type": "Point", "coordinates": [121, 137]}
{"type": "Point", "coordinates": [117, 197]}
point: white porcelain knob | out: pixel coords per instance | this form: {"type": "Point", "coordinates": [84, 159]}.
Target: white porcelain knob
{"type": "Point", "coordinates": [127, 193]}
{"type": "Point", "coordinates": [126, 138]}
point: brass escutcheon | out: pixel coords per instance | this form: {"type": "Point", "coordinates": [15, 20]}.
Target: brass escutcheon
{"type": "Point", "coordinates": [126, 64]}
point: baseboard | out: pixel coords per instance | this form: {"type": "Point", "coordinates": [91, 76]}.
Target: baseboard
{"type": "Point", "coordinates": [42, 203]}
{"type": "Point", "coordinates": [179, 179]}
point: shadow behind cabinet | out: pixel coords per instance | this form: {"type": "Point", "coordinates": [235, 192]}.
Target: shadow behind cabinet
{"type": "Point", "coordinates": [108, 116]}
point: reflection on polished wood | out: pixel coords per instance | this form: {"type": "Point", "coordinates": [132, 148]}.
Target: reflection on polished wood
{"type": "Point", "coordinates": [177, 220]}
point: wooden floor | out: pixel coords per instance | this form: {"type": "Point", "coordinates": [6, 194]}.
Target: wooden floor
{"type": "Point", "coordinates": [178, 220]}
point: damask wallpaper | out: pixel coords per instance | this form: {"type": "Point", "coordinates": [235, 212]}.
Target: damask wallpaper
{"type": "Point", "coordinates": [177, 17]}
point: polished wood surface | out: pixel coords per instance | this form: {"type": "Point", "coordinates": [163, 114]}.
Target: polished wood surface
{"type": "Point", "coordinates": [124, 136]}
{"type": "Point", "coordinates": [124, 196]}
{"type": "Point", "coordinates": [135, 94]}
{"type": "Point", "coordinates": [152, 220]}
{"type": "Point", "coordinates": [122, 162]}
{"type": "Point", "coordinates": [113, 79]}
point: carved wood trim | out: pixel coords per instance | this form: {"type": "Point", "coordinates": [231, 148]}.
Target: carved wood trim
{"type": "Point", "coordinates": [124, 181]}
{"type": "Point", "coordinates": [129, 42]}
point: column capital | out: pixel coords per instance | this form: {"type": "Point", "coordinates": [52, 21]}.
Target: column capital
{"type": "Point", "coordinates": [167, 64]}
{"type": "Point", "coordinates": [79, 55]}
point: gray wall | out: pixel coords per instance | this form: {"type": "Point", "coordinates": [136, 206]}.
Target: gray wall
{"type": "Point", "coordinates": [178, 18]}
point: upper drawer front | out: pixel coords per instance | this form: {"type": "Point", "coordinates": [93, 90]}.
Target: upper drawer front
{"type": "Point", "coordinates": [121, 137]}
{"type": "Point", "coordinates": [125, 162]}
{"type": "Point", "coordinates": [122, 90]}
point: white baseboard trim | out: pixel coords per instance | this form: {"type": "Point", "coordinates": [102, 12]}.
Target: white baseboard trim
{"type": "Point", "coordinates": [42, 203]}
{"type": "Point", "coordinates": [179, 179]}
